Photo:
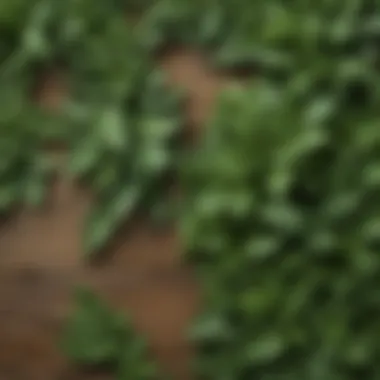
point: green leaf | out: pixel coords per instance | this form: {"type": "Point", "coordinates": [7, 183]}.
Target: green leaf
{"type": "Point", "coordinates": [133, 363]}
{"type": "Point", "coordinates": [262, 247]}
{"type": "Point", "coordinates": [111, 127]}
{"type": "Point", "coordinates": [85, 156]}
{"type": "Point", "coordinates": [36, 185]}
{"type": "Point", "coordinates": [8, 195]}
{"type": "Point", "coordinates": [211, 327]}
{"type": "Point", "coordinates": [265, 349]}
{"type": "Point", "coordinates": [291, 272]}
{"type": "Point", "coordinates": [93, 335]}
{"type": "Point", "coordinates": [107, 217]}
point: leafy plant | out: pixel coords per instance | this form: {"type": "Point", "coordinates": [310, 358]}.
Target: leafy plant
{"type": "Point", "coordinates": [25, 170]}
{"type": "Point", "coordinates": [123, 117]}
{"type": "Point", "coordinates": [24, 128]}
{"type": "Point", "coordinates": [276, 36]}
{"type": "Point", "coordinates": [280, 214]}
{"type": "Point", "coordinates": [118, 119]}
{"type": "Point", "coordinates": [281, 222]}
{"type": "Point", "coordinates": [128, 121]}
{"type": "Point", "coordinates": [96, 336]}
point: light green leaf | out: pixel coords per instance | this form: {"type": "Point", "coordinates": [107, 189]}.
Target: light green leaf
{"type": "Point", "coordinates": [111, 128]}
{"type": "Point", "coordinates": [264, 349]}
{"type": "Point", "coordinates": [106, 218]}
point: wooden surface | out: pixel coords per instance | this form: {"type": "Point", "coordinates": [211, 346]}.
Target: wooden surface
{"type": "Point", "coordinates": [40, 262]}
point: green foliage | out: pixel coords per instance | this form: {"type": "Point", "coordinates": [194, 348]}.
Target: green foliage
{"type": "Point", "coordinates": [282, 222]}
{"type": "Point", "coordinates": [96, 336]}
{"type": "Point", "coordinates": [24, 173]}
{"type": "Point", "coordinates": [118, 120]}
{"type": "Point", "coordinates": [276, 35]}
{"type": "Point", "coordinates": [281, 208]}
{"type": "Point", "coordinates": [128, 123]}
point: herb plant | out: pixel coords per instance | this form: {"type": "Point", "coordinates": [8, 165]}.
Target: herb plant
{"type": "Point", "coordinates": [118, 119]}
{"type": "Point", "coordinates": [275, 37]}
{"type": "Point", "coordinates": [280, 201]}
{"type": "Point", "coordinates": [95, 336]}
{"type": "Point", "coordinates": [281, 222]}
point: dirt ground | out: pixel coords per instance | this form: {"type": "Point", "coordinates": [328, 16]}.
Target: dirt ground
{"type": "Point", "coordinates": [40, 261]}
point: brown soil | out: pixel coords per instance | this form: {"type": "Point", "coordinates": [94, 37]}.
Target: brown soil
{"type": "Point", "coordinates": [188, 70]}
{"type": "Point", "coordinates": [40, 262]}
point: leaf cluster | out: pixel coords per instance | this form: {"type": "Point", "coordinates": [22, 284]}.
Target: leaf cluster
{"type": "Point", "coordinates": [281, 212]}
{"type": "Point", "coordinates": [281, 221]}
{"type": "Point", "coordinates": [126, 124]}
{"type": "Point", "coordinates": [24, 172]}
{"type": "Point", "coordinates": [118, 119]}
{"type": "Point", "coordinates": [95, 336]}
{"type": "Point", "coordinates": [275, 37]}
